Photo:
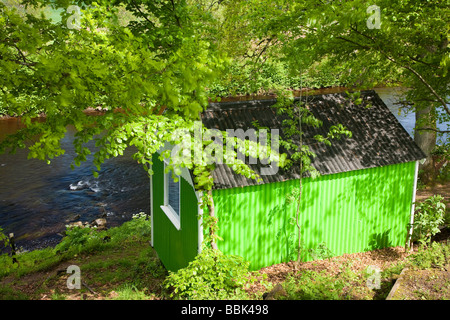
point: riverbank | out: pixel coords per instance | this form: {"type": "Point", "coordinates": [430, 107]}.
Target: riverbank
{"type": "Point", "coordinates": [120, 264]}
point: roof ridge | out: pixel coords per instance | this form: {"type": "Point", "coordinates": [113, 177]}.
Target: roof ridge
{"type": "Point", "coordinates": [262, 103]}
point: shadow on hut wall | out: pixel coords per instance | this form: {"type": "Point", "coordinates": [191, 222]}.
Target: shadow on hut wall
{"type": "Point", "coordinates": [382, 199]}
{"type": "Point", "coordinates": [286, 231]}
{"type": "Point", "coordinates": [378, 241]}
{"type": "Point", "coordinates": [311, 232]}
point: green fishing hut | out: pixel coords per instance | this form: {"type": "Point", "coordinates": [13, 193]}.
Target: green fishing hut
{"type": "Point", "coordinates": [362, 200]}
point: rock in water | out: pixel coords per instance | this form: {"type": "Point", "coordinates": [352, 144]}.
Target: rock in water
{"type": "Point", "coordinates": [100, 223]}
{"type": "Point", "coordinates": [76, 224]}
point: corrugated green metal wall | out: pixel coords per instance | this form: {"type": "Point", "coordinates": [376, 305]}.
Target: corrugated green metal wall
{"type": "Point", "coordinates": [350, 212]}
{"type": "Point", "coordinates": [175, 248]}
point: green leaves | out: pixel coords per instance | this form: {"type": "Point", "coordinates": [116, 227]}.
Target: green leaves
{"type": "Point", "coordinates": [299, 117]}
{"type": "Point", "coordinates": [212, 275]}
{"type": "Point", "coordinates": [143, 86]}
{"type": "Point", "coordinates": [428, 217]}
{"type": "Point", "coordinates": [3, 238]}
{"type": "Point", "coordinates": [437, 255]}
{"type": "Point", "coordinates": [358, 45]}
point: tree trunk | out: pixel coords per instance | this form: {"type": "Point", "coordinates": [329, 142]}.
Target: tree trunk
{"type": "Point", "coordinates": [426, 140]}
{"type": "Point", "coordinates": [300, 182]}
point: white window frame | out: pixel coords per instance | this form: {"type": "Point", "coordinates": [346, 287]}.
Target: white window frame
{"type": "Point", "coordinates": [166, 207]}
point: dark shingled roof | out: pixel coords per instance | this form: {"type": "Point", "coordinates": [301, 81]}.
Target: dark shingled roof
{"type": "Point", "coordinates": [378, 139]}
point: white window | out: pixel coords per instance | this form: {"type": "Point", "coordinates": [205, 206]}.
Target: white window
{"type": "Point", "coordinates": [171, 205]}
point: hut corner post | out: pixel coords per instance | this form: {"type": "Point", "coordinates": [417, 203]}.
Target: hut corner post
{"type": "Point", "coordinates": [409, 244]}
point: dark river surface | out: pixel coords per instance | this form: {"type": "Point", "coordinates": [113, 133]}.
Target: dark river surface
{"type": "Point", "coordinates": [37, 200]}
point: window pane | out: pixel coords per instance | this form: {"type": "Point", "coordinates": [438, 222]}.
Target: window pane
{"type": "Point", "coordinates": [174, 194]}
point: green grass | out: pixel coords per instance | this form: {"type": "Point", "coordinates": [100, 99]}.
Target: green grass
{"type": "Point", "coordinates": [437, 255]}
{"type": "Point", "coordinates": [119, 263]}
{"type": "Point", "coordinates": [7, 293]}
{"type": "Point", "coordinates": [321, 285]}
{"type": "Point", "coordinates": [119, 257]}
{"type": "Point", "coordinates": [130, 292]}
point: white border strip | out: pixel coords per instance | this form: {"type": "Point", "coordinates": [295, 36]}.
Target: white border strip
{"type": "Point", "coordinates": [413, 206]}
{"type": "Point", "coordinates": [166, 207]}
{"type": "Point", "coordinates": [172, 216]}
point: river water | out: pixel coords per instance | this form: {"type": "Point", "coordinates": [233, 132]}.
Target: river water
{"type": "Point", "coordinates": [37, 200]}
